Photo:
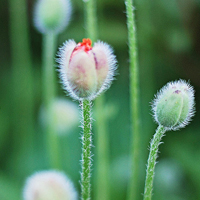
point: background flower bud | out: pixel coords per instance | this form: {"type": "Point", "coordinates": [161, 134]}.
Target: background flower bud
{"type": "Point", "coordinates": [85, 70]}
{"type": "Point", "coordinates": [174, 105]}
{"type": "Point", "coordinates": [52, 15]}
{"type": "Point", "coordinates": [66, 115]}
{"type": "Point", "coordinates": [49, 185]}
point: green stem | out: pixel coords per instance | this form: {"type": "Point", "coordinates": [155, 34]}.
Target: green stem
{"type": "Point", "coordinates": [147, 69]}
{"type": "Point", "coordinates": [23, 90]}
{"type": "Point", "coordinates": [49, 90]}
{"type": "Point", "coordinates": [152, 162]}
{"type": "Point", "coordinates": [91, 20]}
{"type": "Point", "coordinates": [102, 180]}
{"type": "Point", "coordinates": [102, 147]}
{"type": "Point", "coordinates": [86, 151]}
{"type": "Point", "coordinates": [134, 102]}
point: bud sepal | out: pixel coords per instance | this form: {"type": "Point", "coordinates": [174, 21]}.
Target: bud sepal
{"type": "Point", "coordinates": [173, 106]}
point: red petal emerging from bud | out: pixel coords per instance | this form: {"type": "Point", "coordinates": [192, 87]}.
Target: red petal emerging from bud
{"type": "Point", "coordinates": [86, 71]}
{"type": "Point", "coordinates": [85, 45]}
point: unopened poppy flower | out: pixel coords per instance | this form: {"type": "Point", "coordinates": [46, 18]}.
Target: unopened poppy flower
{"type": "Point", "coordinates": [173, 106]}
{"type": "Point", "coordinates": [86, 71]}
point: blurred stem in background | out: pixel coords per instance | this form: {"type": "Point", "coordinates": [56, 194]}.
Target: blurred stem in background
{"type": "Point", "coordinates": [23, 91]}
{"type": "Point", "coordinates": [51, 18]}
{"type": "Point", "coordinates": [49, 92]}
{"type": "Point", "coordinates": [148, 58]}
{"type": "Point", "coordinates": [91, 19]}
{"type": "Point", "coordinates": [102, 151]}
{"type": "Point", "coordinates": [134, 103]}
{"type": "Point", "coordinates": [102, 167]}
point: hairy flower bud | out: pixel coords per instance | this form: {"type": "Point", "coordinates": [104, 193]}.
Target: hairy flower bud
{"type": "Point", "coordinates": [52, 15]}
{"type": "Point", "coordinates": [174, 105]}
{"type": "Point", "coordinates": [49, 185]}
{"type": "Point", "coordinates": [86, 71]}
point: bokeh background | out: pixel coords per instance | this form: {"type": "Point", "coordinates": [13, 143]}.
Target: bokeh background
{"type": "Point", "coordinates": [169, 49]}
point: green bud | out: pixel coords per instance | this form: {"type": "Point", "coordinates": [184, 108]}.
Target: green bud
{"type": "Point", "coordinates": [52, 15]}
{"type": "Point", "coordinates": [174, 105]}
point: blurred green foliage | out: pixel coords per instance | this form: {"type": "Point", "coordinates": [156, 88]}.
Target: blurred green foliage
{"type": "Point", "coordinates": [169, 49]}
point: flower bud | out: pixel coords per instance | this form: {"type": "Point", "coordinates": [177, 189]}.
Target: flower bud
{"type": "Point", "coordinates": [85, 70]}
{"type": "Point", "coordinates": [66, 115]}
{"type": "Point", "coordinates": [174, 105]}
{"type": "Point", "coordinates": [52, 15]}
{"type": "Point", "coordinates": [49, 185]}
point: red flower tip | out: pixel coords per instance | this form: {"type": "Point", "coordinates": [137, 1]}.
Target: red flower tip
{"type": "Point", "coordinates": [87, 42]}
{"type": "Point", "coordinates": [85, 45]}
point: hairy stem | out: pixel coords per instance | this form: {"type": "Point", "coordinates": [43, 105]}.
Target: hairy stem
{"type": "Point", "coordinates": [101, 131]}
{"type": "Point", "coordinates": [49, 89]}
{"type": "Point", "coordinates": [134, 102]}
{"type": "Point", "coordinates": [152, 162]}
{"type": "Point", "coordinates": [86, 151]}
{"type": "Point", "coordinates": [102, 179]}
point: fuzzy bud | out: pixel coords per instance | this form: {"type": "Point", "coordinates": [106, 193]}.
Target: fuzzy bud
{"type": "Point", "coordinates": [52, 15]}
{"type": "Point", "coordinates": [49, 185]}
{"type": "Point", "coordinates": [174, 105]}
{"type": "Point", "coordinates": [86, 71]}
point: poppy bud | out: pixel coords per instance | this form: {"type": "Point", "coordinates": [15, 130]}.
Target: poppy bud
{"type": "Point", "coordinates": [52, 15]}
{"type": "Point", "coordinates": [49, 185]}
{"type": "Point", "coordinates": [86, 71]}
{"type": "Point", "coordinates": [174, 105]}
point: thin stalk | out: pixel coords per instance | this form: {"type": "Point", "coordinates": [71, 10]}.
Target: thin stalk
{"type": "Point", "coordinates": [134, 103]}
{"type": "Point", "coordinates": [23, 90]}
{"type": "Point", "coordinates": [49, 90]}
{"type": "Point", "coordinates": [152, 162]}
{"type": "Point", "coordinates": [86, 151]}
{"type": "Point", "coordinates": [147, 69]}
{"type": "Point", "coordinates": [102, 149]}
{"type": "Point", "coordinates": [102, 183]}
{"type": "Point", "coordinates": [91, 19]}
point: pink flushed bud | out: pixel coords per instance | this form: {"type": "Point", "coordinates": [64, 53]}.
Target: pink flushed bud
{"type": "Point", "coordinates": [86, 71]}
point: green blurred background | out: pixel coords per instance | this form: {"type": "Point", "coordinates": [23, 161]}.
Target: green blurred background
{"type": "Point", "coordinates": [169, 49]}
